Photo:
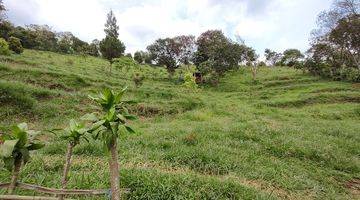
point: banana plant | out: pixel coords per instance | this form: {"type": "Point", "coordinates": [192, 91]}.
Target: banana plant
{"type": "Point", "coordinates": [108, 125]}
{"type": "Point", "coordinates": [15, 148]}
{"type": "Point", "coordinates": [73, 134]}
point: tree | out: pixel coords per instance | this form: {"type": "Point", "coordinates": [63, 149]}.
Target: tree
{"type": "Point", "coordinates": [64, 42]}
{"type": "Point", "coordinates": [108, 126]}
{"type": "Point", "coordinates": [148, 59]}
{"type": "Point", "coordinates": [207, 43]}
{"type": "Point", "coordinates": [335, 49]}
{"type": "Point", "coordinates": [111, 27]}
{"type": "Point", "coordinates": [44, 37]}
{"type": "Point", "coordinates": [171, 52]}
{"type": "Point", "coordinates": [111, 47]}
{"type": "Point", "coordinates": [129, 55]}
{"type": "Point", "coordinates": [291, 57]}
{"type": "Point", "coordinates": [15, 45]}
{"type": "Point", "coordinates": [93, 48]}
{"type": "Point", "coordinates": [217, 54]}
{"type": "Point", "coordinates": [272, 57]}
{"type": "Point", "coordinates": [6, 28]}
{"type": "Point", "coordinates": [15, 150]}
{"type": "Point", "coordinates": [138, 57]}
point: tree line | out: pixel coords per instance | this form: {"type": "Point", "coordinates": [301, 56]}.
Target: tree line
{"type": "Point", "coordinates": [334, 51]}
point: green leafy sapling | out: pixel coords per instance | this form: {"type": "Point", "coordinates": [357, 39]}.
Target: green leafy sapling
{"type": "Point", "coordinates": [190, 81]}
{"type": "Point", "coordinates": [107, 127]}
{"type": "Point", "coordinates": [73, 134]}
{"type": "Point", "coordinates": [15, 150]}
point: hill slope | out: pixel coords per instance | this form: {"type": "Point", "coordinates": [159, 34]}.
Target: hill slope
{"type": "Point", "coordinates": [288, 136]}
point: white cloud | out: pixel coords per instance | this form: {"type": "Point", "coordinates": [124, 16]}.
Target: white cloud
{"type": "Point", "coordinates": [276, 24]}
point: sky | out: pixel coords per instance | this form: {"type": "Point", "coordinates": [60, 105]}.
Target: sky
{"type": "Point", "coordinates": [274, 24]}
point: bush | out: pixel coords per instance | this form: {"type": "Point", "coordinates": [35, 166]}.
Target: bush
{"type": "Point", "coordinates": [138, 79]}
{"type": "Point", "coordinates": [189, 81]}
{"type": "Point", "coordinates": [15, 45]}
{"type": "Point", "coordinates": [4, 47]}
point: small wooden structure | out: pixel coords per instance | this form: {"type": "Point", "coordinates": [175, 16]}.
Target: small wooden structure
{"type": "Point", "coordinates": [52, 191]}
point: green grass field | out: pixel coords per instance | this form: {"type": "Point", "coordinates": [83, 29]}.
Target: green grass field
{"type": "Point", "coordinates": [286, 136]}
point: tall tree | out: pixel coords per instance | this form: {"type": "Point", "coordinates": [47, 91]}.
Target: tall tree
{"type": "Point", "coordinates": [272, 57]}
{"type": "Point", "coordinates": [291, 57]}
{"type": "Point", "coordinates": [138, 57]}
{"type": "Point", "coordinates": [335, 49]}
{"type": "Point", "coordinates": [111, 27]}
{"type": "Point", "coordinates": [216, 54]}
{"type": "Point", "coordinates": [111, 47]}
{"type": "Point", "coordinates": [172, 52]}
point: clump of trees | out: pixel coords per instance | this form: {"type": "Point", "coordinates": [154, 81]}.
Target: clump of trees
{"type": "Point", "coordinates": [217, 54]}
{"type": "Point", "coordinates": [212, 53]}
{"type": "Point", "coordinates": [335, 46]}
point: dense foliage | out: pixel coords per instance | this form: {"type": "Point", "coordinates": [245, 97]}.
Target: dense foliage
{"type": "Point", "coordinates": [216, 54]}
{"type": "Point", "coordinates": [4, 47]}
{"type": "Point", "coordinates": [172, 52]}
{"type": "Point", "coordinates": [15, 45]}
{"type": "Point", "coordinates": [335, 50]}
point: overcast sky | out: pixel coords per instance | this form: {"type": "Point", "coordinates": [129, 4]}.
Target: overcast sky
{"type": "Point", "coordinates": [275, 24]}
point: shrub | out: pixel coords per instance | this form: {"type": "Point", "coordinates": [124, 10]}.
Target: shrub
{"type": "Point", "coordinates": [189, 81]}
{"type": "Point", "coordinates": [15, 45]}
{"type": "Point", "coordinates": [4, 47]}
{"type": "Point", "coordinates": [138, 79]}
{"type": "Point", "coordinates": [69, 62]}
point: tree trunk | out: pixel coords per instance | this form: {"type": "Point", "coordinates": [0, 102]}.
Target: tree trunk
{"type": "Point", "coordinates": [114, 172]}
{"type": "Point", "coordinates": [15, 175]}
{"type": "Point", "coordinates": [66, 168]}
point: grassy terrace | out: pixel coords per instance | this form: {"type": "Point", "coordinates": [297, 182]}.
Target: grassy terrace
{"type": "Point", "coordinates": [286, 136]}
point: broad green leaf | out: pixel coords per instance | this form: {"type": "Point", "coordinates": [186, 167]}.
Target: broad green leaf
{"type": "Point", "coordinates": [129, 129]}
{"type": "Point", "coordinates": [7, 148]}
{"type": "Point", "coordinates": [97, 124]}
{"type": "Point", "coordinates": [130, 117]}
{"type": "Point", "coordinates": [35, 146]}
{"type": "Point", "coordinates": [121, 117]}
{"type": "Point", "coordinates": [119, 95]}
{"type": "Point", "coordinates": [20, 134]}
{"type": "Point", "coordinates": [90, 117]}
{"type": "Point", "coordinates": [73, 124]}
{"type": "Point", "coordinates": [23, 126]}
{"type": "Point", "coordinates": [114, 127]}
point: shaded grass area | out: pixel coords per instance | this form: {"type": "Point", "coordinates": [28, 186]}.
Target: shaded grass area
{"type": "Point", "coordinates": [286, 136]}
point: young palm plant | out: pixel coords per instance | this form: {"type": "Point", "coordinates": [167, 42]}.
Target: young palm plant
{"type": "Point", "coordinates": [74, 133]}
{"type": "Point", "coordinates": [107, 127]}
{"type": "Point", "coordinates": [15, 148]}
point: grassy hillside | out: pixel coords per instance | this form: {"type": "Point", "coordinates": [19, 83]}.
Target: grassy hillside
{"type": "Point", "coordinates": [287, 136]}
